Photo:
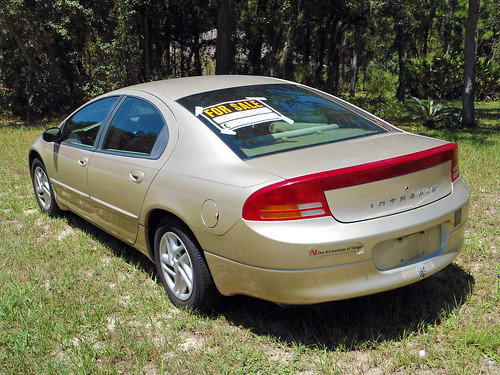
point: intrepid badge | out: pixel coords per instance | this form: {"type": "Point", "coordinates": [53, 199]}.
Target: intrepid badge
{"type": "Point", "coordinates": [404, 197]}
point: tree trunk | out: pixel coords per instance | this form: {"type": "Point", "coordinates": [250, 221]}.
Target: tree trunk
{"type": "Point", "coordinates": [133, 79]}
{"type": "Point", "coordinates": [470, 65]}
{"type": "Point", "coordinates": [343, 53]}
{"type": "Point", "coordinates": [224, 46]}
{"type": "Point", "coordinates": [333, 57]}
{"type": "Point", "coordinates": [401, 42]}
{"type": "Point", "coordinates": [426, 28]}
{"type": "Point", "coordinates": [358, 31]}
{"type": "Point", "coordinates": [147, 50]}
{"type": "Point", "coordinates": [318, 80]}
{"type": "Point", "coordinates": [447, 26]}
{"type": "Point", "coordinates": [17, 37]}
{"type": "Point", "coordinates": [333, 64]}
{"type": "Point", "coordinates": [285, 55]}
{"type": "Point", "coordinates": [197, 59]}
{"type": "Point", "coordinates": [181, 63]}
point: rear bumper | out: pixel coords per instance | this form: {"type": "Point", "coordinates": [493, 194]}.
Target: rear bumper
{"type": "Point", "coordinates": [319, 260]}
{"type": "Point", "coordinates": [318, 285]}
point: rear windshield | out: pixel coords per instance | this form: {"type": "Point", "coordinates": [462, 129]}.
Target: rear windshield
{"type": "Point", "coordinates": [265, 119]}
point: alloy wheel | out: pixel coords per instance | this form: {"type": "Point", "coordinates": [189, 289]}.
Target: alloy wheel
{"type": "Point", "coordinates": [42, 188]}
{"type": "Point", "coordinates": [176, 266]}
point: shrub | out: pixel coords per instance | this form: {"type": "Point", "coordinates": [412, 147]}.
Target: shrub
{"type": "Point", "coordinates": [436, 75]}
{"type": "Point", "coordinates": [432, 114]}
{"type": "Point", "coordinates": [487, 79]}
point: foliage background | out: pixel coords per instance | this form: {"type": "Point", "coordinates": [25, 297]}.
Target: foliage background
{"type": "Point", "coordinates": [55, 54]}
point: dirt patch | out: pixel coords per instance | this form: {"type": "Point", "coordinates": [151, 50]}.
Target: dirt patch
{"type": "Point", "coordinates": [191, 342]}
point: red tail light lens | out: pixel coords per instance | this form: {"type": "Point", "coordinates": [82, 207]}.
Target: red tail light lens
{"type": "Point", "coordinates": [455, 171]}
{"type": "Point", "coordinates": [289, 200]}
{"type": "Point", "coordinates": [394, 167]}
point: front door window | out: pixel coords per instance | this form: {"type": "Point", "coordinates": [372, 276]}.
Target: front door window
{"type": "Point", "coordinates": [81, 129]}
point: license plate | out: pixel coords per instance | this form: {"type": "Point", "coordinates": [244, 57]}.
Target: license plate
{"type": "Point", "coordinates": [407, 249]}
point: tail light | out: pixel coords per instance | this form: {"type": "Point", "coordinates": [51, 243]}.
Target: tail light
{"type": "Point", "coordinates": [455, 171]}
{"type": "Point", "coordinates": [393, 167]}
{"type": "Point", "coordinates": [301, 198]}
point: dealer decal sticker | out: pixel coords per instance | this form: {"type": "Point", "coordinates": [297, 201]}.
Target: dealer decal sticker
{"type": "Point", "coordinates": [232, 115]}
{"type": "Point", "coordinates": [337, 250]}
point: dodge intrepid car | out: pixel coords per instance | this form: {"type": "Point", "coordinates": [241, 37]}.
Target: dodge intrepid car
{"type": "Point", "coordinates": [256, 186]}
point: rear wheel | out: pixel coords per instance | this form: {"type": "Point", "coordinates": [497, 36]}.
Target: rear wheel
{"type": "Point", "coordinates": [43, 189]}
{"type": "Point", "coordinates": [182, 268]}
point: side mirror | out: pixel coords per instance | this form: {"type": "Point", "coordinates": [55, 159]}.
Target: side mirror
{"type": "Point", "coordinates": [52, 135]}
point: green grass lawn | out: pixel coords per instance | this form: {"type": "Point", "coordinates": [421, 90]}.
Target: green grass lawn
{"type": "Point", "coordinates": [75, 300]}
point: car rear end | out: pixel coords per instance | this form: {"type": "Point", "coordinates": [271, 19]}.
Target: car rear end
{"type": "Point", "coordinates": [356, 206]}
{"type": "Point", "coordinates": [346, 232]}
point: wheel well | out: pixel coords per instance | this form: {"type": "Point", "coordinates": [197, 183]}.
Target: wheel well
{"type": "Point", "coordinates": [32, 156]}
{"type": "Point", "coordinates": [154, 219]}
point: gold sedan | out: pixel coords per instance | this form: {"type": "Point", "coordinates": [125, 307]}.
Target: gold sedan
{"type": "Point", "coordinates": [256, 186]}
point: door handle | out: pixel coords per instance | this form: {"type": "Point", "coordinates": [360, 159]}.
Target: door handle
{"type": "Point", "coordinates": [136, 175]}
{"type": "Point", "coordinates": [83, 161]}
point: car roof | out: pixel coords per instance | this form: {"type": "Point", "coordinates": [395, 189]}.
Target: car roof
{"type": "Point", "coordinates": [177, 88]}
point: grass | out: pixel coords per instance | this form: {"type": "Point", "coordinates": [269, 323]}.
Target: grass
{"type": "Point", "coordinates": [75, 300]}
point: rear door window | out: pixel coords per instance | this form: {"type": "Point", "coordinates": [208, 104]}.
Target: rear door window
{"type": "Point", "coordinates": [137, 129]}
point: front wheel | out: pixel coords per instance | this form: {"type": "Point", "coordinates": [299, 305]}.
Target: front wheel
{"type": "Point", "coordinates": [182, 269]}
{"type": "Point", "coordinates": [43, 189]}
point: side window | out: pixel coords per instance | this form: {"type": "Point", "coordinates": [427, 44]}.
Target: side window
{"type": "Point", "coordinates": [135, 128]}
{"type": "Point", "coordinates": [83, 126]}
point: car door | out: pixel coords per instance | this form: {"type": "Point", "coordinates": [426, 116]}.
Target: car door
{"type": "Point", "coordinates": [122, 169]}
{"type": "Point", "coordinates": [71, 156]}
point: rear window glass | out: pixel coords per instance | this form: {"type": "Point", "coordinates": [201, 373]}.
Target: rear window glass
{"type": "Point", "coordinates": [264, 119]}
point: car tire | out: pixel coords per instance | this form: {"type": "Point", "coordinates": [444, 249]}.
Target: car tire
{"type": "Point", "coordinates": [43, 189]}
{"type": "Point", "coordinates": [182, 268]}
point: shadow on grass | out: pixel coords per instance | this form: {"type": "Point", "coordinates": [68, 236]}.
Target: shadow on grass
{"type": "Point", "coordinates": [347, 325]}
{"type": "Point", "coordinates": [359, 322]}
{"type": "Point", "coordinates": [491, 113]}
{"type": "Point", "coordinates": [129, 255]}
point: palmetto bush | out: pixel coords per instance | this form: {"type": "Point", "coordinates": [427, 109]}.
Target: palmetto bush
{"type": "Point", "coordinates": [432, 114]}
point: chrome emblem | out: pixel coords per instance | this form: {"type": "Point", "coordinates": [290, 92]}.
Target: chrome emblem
{"type": "Point", "coordinates": [403, 197]}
